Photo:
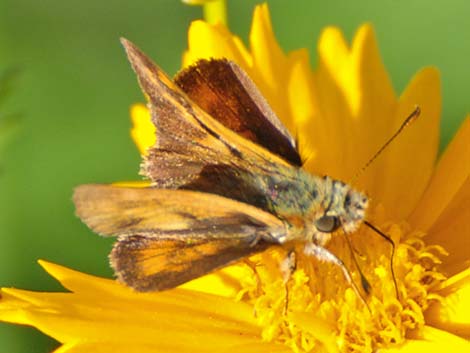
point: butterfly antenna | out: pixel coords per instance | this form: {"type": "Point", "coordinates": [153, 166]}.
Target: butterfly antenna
{"type": "Point", "coordinates": [412, 117]}
{"type": "Point", "coordinates": [387, 238]}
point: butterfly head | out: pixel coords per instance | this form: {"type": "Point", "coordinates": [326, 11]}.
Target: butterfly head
{"type": "Point", "coordinates": [343, 207]}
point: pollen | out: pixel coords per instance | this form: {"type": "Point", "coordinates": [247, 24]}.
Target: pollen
{"type": "Point", "coordinates": [315, 307]}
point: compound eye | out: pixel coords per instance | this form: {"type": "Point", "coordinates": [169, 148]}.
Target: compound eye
{"type": "Point", "coordinates": [327, 224]}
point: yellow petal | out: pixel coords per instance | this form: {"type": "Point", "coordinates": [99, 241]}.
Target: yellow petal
{"type": "Point", "coordinates": [452, 230]}
{"type": "Point", "coordinates": [214, 41]}
{"type": "Point", "coordinates": [408, 163]}
{"type": "Point", "coordinates": [325, 130]}
{"type": "Point", "coordinates": [302, 98]}
{"type": "Point", "coordinates": [271, 67]}
{"type": "Point", "coordinates": [318, 328]}
{"type": "Point", "coordinates": [433, 341]}
{"type": "Point", "coordinates": [265, 49]}
{"type": "Point", "coordinates": [357, 101]}
{"type": "Point", "coordinates": [227, 282]}
{"type": "Point", "coordinates": [452, 312]}
{"type": "Point", "coordinates": [358, 72]}
{"type": "Point", "coordinates": [143, 131]}
{"type": "Point", "coordinates": [122, 347]}
{"type": "Point", "coordinates": [99, 311]}
{"type": "Point", "coordinates": [136, 347]}
{"type": "Point", "coordinates": [450, 174]}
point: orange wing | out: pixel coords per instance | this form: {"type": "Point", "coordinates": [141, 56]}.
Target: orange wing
{"type": "Point", "coordinates": [158, 263]}
{"type": "Point", "coordinates": [110, 210]}
{"type": "Point", "coordinates": [168, 237]}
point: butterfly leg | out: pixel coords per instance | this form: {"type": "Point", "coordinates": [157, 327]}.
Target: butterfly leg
{"type": "Point", "coordinates": [364, 282]}
{"type": "Point", "coordinates": [253, 266]}
{"type": "Point", "coordinates": [288, 266]}
{"type": "Point", "coordinates": [325, 255]}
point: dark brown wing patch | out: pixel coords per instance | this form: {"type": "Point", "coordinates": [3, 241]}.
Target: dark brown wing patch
{"type": "Point", "coordinates": [223, 90]}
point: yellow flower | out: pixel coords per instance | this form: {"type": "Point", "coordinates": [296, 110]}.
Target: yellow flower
{"type": "Point", "coordinates": [341, 113]}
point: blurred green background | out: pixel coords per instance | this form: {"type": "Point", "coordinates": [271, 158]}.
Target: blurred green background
{"type": "Point", "coordinates": [75, 88]}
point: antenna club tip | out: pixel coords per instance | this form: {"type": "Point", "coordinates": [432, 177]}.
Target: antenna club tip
{"type": "Point", "coordinates": [417, 111]}
{"type": "Point", "coordinates": [412, 117]}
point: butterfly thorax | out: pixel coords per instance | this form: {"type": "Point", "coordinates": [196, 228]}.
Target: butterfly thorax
{"type": "Point", "coordinates": [314, 207]}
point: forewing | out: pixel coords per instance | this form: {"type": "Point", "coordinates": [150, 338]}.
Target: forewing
{"type": "Point", "coordinates": [225, 91]}
{"type": "Point", "coordinates": [158, 263]}
{"type": "Point", "coordinates": [115, 211]}
{"type": "Point", "coordinates": [190, 142]}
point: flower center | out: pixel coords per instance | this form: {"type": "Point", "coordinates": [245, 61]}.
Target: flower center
{"type": "Point", "coordinates": [328, 306]}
